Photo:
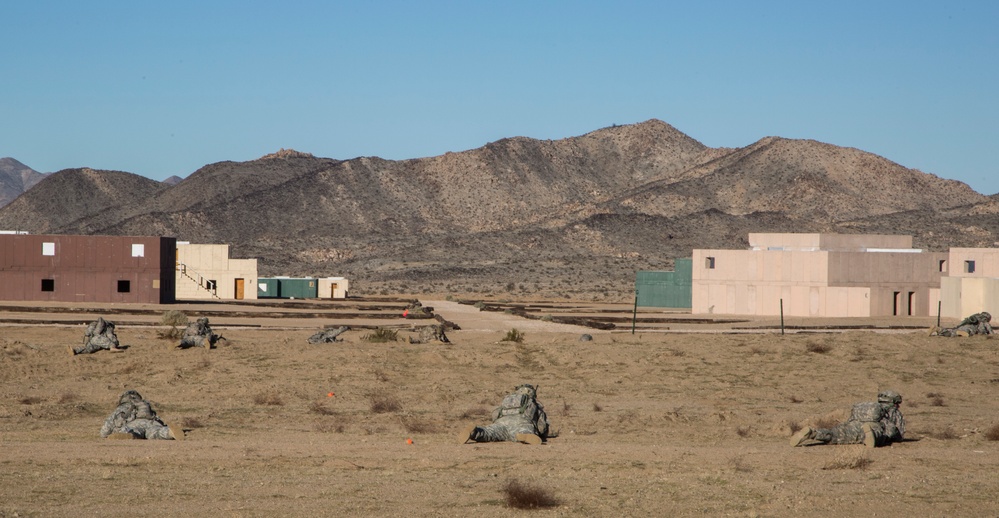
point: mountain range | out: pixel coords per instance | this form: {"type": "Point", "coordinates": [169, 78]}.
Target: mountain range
{"type": "Point", "coordinates": [572, 218]}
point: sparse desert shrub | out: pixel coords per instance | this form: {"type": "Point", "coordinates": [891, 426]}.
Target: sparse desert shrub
{"type": "Point", "coordinates": [521, 496]}
{"type": "Point", "coordinates": [191, 423]}
{"type": "Point", "coordinates": [381, 404]}
{"type": "Point", "coordinates": [740, 465]}
{"type": "Point", "coordinates": [480, 305]}
{"type": "Point", "coordinates": [850, 458]}
{"type": "Point", "coordinates": [30, 400]}
{"type": "Point", "coordinates": [474, 413]}
{"type": "Point", "coordinates": [317, 407]}
{"type": "Point", "coordinates": [513, 336]}
{"type": "Point", "coordinates": [268, 398]}
{"type": "Point", "coordinates": [817, 348]}
{"type": "Point", "coordinates": [597, 407]}
{"type": "Point", "coordinates": [794, 426]}
{"type": "Point", "coordinates": [381, 335]}
{"type": "Point", "coordinates": [67, 397]}
{"type": "Point", "coordinates": [795, 399]}
{"type": "Point", "coordinates": [944, 434]}
{"type": "Point", "coordinates": [743, 431]}
{"type": "Point", "coordinates": [936, 399]}
{"type": "Point", "coordinates": [547, 318]}
{"type": "Point", "coordinates": [327, 426]}
{"type": "Point", "coordinates": [413, 425]}
{"type": "Point", "coordinates": [177, 321]}
{"type": "Point", "coordinates": [566, 408]}
{"type": "Point", "coordinates": [992, 434]}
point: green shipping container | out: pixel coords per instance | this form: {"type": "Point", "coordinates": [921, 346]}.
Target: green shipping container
{"type": "Point", "coordinates": [666, 289]}
{"type": "Point", "coordinates": [299, 288]}
{"type": "Point", "coordinates": [268, 288]}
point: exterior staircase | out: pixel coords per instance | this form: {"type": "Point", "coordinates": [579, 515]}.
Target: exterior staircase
{"type": "Point", "coordinates": [198, 279]}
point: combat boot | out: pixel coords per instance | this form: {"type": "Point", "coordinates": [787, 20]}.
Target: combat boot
{"type": "Point", "coordinates": [803, 435]}
{"type": "Point", "coordinates": [933, 330]}
{"type": "Point", "coordinates": [869, 440]}
{"type": "Point", "coordinates": [72, 351]}
{"type": "Point", "coordinates": [528, 438]}
{"type": "Point", "coordinates": [469, 433]}
{"type": "Point", "coordinates": [962, 333]}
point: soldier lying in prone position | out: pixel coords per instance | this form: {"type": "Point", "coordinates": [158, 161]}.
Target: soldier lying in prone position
{"type": "Point", "coordinates": [871, 424]}
{"type": "Point", "coordinates": [519, 418]}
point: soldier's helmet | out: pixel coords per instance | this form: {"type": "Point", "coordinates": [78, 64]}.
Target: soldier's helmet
{"type": "Point", "coordinates": [203, 321]}
{"type": "Point", "coordinates": [890, 397]}
{"type": "Point", "coordinates": [526, 388]}
{"type": "Point", "coordinates": [129, 395]}
{"type": "Point", "coordinates": [985, 316]}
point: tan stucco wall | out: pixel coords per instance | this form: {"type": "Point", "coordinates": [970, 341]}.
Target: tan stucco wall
{"type": "Point", "coordinates": [964, 296]}
{"type": "Point", "coordinates": [986, 262]}
{"type": "Point", "coordinates": [325, 289]}
{"type": "Point", "coordinates": [212, 261]}
{"type": "Point", "coordinates": [816, 283]}
{"type": "Point", "coordinates": [844, 242]}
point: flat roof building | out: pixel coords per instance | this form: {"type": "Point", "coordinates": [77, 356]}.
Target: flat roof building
{"type": "Point", "coordinates": [64, 268]}
{"type": "Point", "coordinates": [818, 275]}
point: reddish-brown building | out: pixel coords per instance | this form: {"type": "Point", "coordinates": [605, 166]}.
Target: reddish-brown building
{"type": "Point", "coordinates": [134, 269]}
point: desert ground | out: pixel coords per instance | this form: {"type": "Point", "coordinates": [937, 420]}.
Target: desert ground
{"type": "Point", "coordinates": [675, 419]}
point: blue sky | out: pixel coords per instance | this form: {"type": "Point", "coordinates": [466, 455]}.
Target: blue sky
{"type": "Point", "coordinates": [161, 89]}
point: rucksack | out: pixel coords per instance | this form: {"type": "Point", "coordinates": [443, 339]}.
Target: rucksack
{"type": "Point", "coordinates": [868, 412]}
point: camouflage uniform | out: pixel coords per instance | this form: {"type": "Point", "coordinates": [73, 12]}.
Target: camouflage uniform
{"type": "Point", "coordinates": [977, 324]}
{"type": "Point", "coordinates": [872, 423]}
{"type": "Point", "coordinates": [417, 310]}
{"type": "Point", "coordinates": [100, 336]}
{"type": "Point", "coordinates": [134, 418]}
{"type": "Point", "coordinates": [431, 333]}
{"type": "Point", "coordinates": [198, 334]}
{"type": "Point", "coordinates": [520, 418]}
{"type": "Point", "coordinates": [328, 335]}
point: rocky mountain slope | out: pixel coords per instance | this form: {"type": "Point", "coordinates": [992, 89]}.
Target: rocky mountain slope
{"type": "Point", "coordinates": [572, 217]}
{"type": "Point", "coordinates": [15, 178]}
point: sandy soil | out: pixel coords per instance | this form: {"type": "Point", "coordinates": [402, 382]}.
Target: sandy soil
{"type": "Point", "coordinates": [651, 424]}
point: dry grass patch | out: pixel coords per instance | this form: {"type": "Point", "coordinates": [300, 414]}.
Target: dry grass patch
{"type": "Point", "coordinates": [191, 423]}
{"type": "Point", "coordinates": [740, 465]}
{"type": "Point", "coordinates": [522, 496]}
{"type": "Point", "coordinates": [936, 399]}
{"type": "Point", "coordinates": [513, 336]}
{"type": "Point", "coordinates": [30, 400]}
{"type": "Point", "coordinates": [474, 413]}
{"type": "Point", "coordinates": [383, 404]}
{"type": "Point", "coordinates": [992, 434]}
{"type": "Point", "coordinates": [67, 397]}
{"type": "Point", "coordinates": [416, 425]}
{"type": "Point", "coordinates": [268, 398]}
{"type": "Point", "coordinates": [944, 434]}
{"type": "Point", "coordinates": [817, 348]}
{"type": "Point", "coordinates": [597, 407]}
{"type": "Point", "coordinates": [328, 426]}
{"type": "Point", "coordinates": [743, 431]}
{"type": "Point", "coordinates": [850, 458]}
{"type": "Point", "coordinates": [317, 407]}
{"type": "Point", "coordinates": [380, 335]}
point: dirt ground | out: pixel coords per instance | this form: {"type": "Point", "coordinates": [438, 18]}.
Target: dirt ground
{"type": "Point", "coordinates": [654, 423]}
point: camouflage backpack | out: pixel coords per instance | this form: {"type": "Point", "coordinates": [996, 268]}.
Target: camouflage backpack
{"type": "Point", "coordinates": [519, 402]}
{"type": "Point", "coordinates": [869, 412]}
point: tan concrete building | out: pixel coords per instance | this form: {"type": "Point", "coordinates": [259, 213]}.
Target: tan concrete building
{"type": "Point", "coordinates": [206, 272]}
{"type": "Point", "coordinates": [333, 287]}
{"type": "Point", "coordinates": [818, 275]}
{"type": "Point", "coordinates": [972, 286]}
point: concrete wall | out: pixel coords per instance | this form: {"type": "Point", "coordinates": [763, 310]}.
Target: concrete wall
{"type": "Point", "coordinates": [964, 296]}
{"type": "Point", "coordinates": [211, 262]}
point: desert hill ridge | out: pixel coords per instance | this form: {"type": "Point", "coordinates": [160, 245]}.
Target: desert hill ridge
{"type": "Point", "coordinates": [569, 217]}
